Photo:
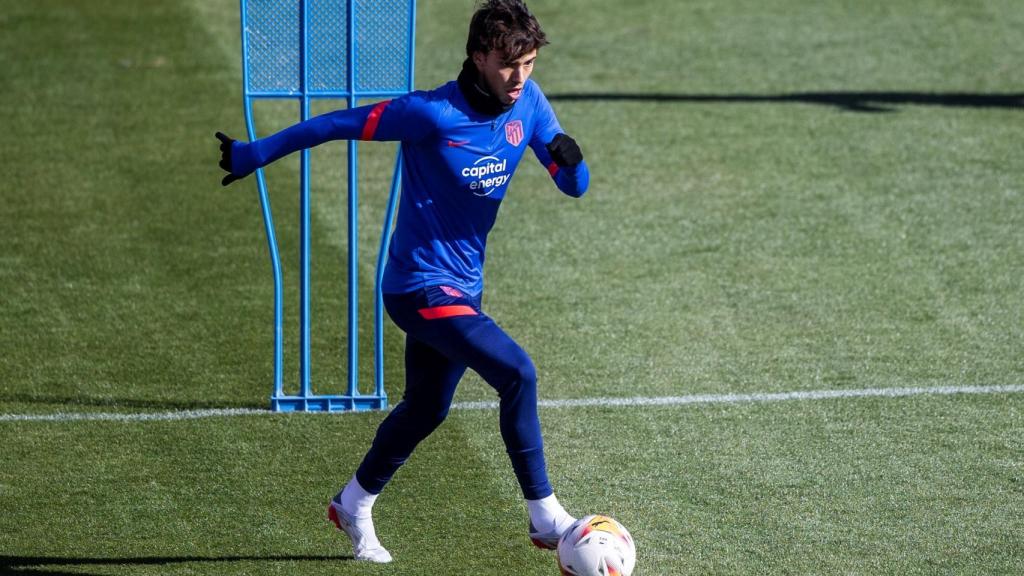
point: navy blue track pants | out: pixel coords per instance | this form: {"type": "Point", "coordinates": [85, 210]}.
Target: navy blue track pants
{"type": "Point", "coordinates": [446, 333]}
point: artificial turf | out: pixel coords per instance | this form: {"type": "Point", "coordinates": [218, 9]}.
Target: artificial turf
{"type": "Point", "coordinates": [789, 197]}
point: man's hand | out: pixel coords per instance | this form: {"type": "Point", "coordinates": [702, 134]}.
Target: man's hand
{"type": "Point", "coordinates": [225, 158]}
{"type": "Point", "coordinates": [564, 151]}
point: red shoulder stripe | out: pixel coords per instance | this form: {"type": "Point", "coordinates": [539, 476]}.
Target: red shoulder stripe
{"type": "Point", "coordinates": [370, 128]}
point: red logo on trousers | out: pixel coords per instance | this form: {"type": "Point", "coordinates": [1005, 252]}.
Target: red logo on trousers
{"type": "Point", "coordinates": [451, 291]}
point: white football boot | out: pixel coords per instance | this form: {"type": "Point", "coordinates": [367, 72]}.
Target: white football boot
{"type": "Point", "coordinates": [545, 540]}
{"type": "Point", "coordinates": [548, 521]}
{"type": "Point", "coordinates": [365, 545]}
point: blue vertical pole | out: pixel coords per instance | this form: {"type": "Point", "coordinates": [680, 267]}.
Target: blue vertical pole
{"type": "Point", "coordinates": [353, 220]}
{"type": "Point", "coordinates": [304, 224]}
{"type": "Point", "coordinates": [385, 241]}
{"type": "Point", "coordinates": [268, 224]}
{"type": "Point", "coordinates": [395, 191]}
{"type": "Point", "coordinates": [412, 44]}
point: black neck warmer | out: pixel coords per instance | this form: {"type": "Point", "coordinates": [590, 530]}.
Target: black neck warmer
{"type": "Point", "coordinates": [481, 100]}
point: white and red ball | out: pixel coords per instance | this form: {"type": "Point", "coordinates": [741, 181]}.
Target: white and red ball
{"type": "Point", "coordinates": [596, 546]}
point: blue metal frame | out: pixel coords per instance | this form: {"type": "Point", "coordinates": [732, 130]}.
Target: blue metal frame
{"type": "Point", "coordinates": [306, 400]}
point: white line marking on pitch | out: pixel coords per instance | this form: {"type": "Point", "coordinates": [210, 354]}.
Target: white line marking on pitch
{"type": "Point", "coordinates": [569, 403]}
{"type": "Point", "coordinates": [130, 416]}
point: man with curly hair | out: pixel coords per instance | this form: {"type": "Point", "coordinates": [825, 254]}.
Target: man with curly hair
{"type": "Point", "coordinates": [461, 142]}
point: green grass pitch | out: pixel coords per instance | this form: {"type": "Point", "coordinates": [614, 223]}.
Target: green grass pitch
{"type": "Point", "coordinates": [786, 197]}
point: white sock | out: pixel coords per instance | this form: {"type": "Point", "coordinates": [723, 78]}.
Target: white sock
{"type": "Point", "coordinates": [547, 515]}
{"type": "Point", "coordinates": [356, 501]}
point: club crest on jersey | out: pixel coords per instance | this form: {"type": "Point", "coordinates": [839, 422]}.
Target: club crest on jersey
{"type": "Point", "coordinates": [514, 132]}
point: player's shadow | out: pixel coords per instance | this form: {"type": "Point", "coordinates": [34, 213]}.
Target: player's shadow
{"type": "Point", "coordinates": [52, 565]}
{"type": "Point", "coordinates": [870, 102]}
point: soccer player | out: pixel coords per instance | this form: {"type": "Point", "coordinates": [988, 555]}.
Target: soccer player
{"type": "Point", "coordinates": [461, 142]}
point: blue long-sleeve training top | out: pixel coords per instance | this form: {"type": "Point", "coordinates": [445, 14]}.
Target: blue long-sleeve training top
{"type": "Point", "coordinates": [456, 170]}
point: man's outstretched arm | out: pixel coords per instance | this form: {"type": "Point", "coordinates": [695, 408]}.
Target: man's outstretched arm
{"type": "Point", "coordinates": [402, 119]}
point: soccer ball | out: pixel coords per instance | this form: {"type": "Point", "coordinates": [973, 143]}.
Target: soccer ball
{"type": "Point", "coordinates": [596, 546]}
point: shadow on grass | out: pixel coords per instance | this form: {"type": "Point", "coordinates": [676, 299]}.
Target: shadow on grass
{"type": "Point", "coordinates": [164, 404]}
{"type": "Point", "coordinates": [51, 565]}
{"type": "Point", "coordinates": [871, 102]}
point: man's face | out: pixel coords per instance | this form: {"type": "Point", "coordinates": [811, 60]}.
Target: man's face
{"type": "Point", "coordinates": [502, 77]}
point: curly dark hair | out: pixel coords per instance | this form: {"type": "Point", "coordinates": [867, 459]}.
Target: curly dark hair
{"type": "Point", "coordinates": [505, 25]}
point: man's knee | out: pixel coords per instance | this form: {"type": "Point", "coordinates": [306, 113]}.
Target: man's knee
{"type": "Point", "coordinates": [519, 376]}
{"type": "Point", "coordinates": [526, 372]}
{"type": "Point", "coordinates": [429, 416]}
{"type": "Point", "coordinates": [420, 416]}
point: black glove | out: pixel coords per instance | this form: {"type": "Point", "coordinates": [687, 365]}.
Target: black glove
{"type": "Point", "coordinates": [225, 158]}
{"type": "Point", "coordinates": [564, 151]}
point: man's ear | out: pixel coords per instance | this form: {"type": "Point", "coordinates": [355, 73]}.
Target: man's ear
{"type": "Point", "coordinates": [479, 58]}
